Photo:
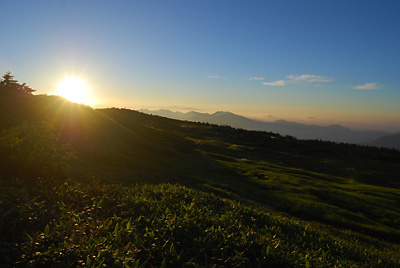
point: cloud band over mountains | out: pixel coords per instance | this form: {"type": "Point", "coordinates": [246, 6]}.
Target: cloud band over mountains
{"type": "Point", "coordinates": [299, 79]}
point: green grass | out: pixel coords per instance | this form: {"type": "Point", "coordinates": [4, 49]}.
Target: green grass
{"type": "Point", "coordinates": [93, 224]}
{"type": "Point", "coordinates": [141, 190]}
{"type": "Point", "coordinates": [344, 185]}
{"type": "Point", "coordinates": [338, 200]}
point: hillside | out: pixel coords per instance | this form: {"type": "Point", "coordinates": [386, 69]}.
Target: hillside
{"type": "Point", "coordinates": [288, 173]}
{"type": "Point", "coordinates": [120, 187]}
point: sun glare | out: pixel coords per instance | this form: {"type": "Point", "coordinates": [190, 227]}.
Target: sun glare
{"type": "Point", "coordinates": [74, 89]}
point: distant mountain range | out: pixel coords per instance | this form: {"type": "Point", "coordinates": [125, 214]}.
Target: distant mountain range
{"type": "Point", "coordinates": [390, 141]}
{"type": "Point", "coordinates": [336, 133]}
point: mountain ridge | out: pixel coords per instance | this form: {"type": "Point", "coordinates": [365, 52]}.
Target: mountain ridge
{"type": "Point", "coordinates": [388, 141]}
{"type": "Point", "coordinates": [333, 132]}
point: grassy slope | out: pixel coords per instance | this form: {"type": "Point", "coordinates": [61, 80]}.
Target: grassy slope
{"type": "Point", "coordinates": [346, 186]}
{"type": "Point", "coordinates": [349, 186]}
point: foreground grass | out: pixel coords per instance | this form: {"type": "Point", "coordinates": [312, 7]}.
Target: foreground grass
{"type": "Point", "coordinates": [91, 224]}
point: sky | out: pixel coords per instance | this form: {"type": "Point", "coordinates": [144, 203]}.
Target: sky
{"type": "Point", "coordinates": [314, 62]}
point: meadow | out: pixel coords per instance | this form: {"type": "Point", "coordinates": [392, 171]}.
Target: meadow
{"type": "Point", "coordinates": [116, 187]}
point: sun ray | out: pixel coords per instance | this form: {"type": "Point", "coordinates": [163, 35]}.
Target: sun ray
{"type": "Point", "coordinates": [74, 89]}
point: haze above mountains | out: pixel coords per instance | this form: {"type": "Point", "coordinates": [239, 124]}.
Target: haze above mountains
{"type": "Point", "coordinates": [335, 133]}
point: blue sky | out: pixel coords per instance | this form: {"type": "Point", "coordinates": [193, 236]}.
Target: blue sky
{"type": "Point", "coordinates": [315, 62]}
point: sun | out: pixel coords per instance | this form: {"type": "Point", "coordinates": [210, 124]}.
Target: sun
{"type": "Point", "coordinates": [74, 89]}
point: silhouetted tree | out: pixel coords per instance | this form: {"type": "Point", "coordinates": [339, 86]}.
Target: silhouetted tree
{"type": "Point", "coordinates": [10, 83]}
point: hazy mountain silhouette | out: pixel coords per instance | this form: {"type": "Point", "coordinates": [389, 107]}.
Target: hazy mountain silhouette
{"type": "Point", "coordinates": [389, 141]}
{"type": "Point", "coordinates": [334, 132]}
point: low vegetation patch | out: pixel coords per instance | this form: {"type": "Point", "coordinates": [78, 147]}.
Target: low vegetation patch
{"type": "Point", "coordinates": [92, 224]}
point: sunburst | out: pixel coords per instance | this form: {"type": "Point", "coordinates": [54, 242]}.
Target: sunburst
{"type": "Point", "coordinates": [74, 89]}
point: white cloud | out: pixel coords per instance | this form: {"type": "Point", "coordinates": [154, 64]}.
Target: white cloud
{"type": "Point", "coordinates": [279, 83]}
{"type": "Point", "coordinates": [256, 78]}
{"type": "Point", "coordinates": [213, 76]}
{"type": "Point", "coordinates": [367, 86]}
{"type": "Point", "coordinates": [299, 79]}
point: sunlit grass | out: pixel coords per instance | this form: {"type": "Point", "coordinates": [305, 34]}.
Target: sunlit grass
{"type": "Point", "coordinates": [169, 225]}
{"type": "Point", "coordinates": [335, 200]}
